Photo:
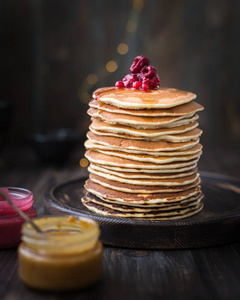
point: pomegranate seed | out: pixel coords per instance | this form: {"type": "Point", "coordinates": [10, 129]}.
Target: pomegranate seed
{"type": "Point", "coordinates": [119, 84]}
{"type": "Point", "coordinates": [145, 86]}
{"type": "Point", "coordinates": [136, 84]}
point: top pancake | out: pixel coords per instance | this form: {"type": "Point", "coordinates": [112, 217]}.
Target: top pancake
{"type": "Point", "coordinates": [180, 110]}
{"type": "Point", "coordinates": [139, 99]}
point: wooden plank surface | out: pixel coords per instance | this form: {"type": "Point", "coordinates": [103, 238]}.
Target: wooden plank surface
{"type": "Point", "coordinates": [207, 273]}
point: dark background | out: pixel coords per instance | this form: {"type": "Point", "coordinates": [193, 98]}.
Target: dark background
{"type": "Point", "coordinates": [49, 47]}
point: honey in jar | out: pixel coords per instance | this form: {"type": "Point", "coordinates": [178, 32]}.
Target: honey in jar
{"type": "Point", "coordinates": [67, 256]}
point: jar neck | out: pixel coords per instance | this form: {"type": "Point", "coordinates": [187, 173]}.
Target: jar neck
{"type": "Point", "coordinates": [61, 235]}
{"type": "Point", "coordinates": [22, 198]}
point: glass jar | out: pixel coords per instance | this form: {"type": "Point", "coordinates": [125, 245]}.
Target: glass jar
{"type": "Point", "coordinates": [67, 256]}
{"type": "Point", "coordinates": [10, 221]}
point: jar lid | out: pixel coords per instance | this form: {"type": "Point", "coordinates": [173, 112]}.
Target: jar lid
{"type": "Point", "coordinates": [22, 198]}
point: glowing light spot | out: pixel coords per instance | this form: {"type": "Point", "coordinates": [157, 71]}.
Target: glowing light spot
{"type": "Point", "coordinates": [85, 97]}
{"type": "Point", "coordinates": [111, 66]}
{"type": "Point", "coordinates": [122, 48]}
{"type": "Point", "coordinates": [131, 26]}
{"type": "Point", "coordinates": [92, 78]}
{"type": "Point", "coordinates": [83, 162]}
{"type": "Point", "coordinates": [138, 5]}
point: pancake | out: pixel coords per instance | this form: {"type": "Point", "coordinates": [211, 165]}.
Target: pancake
{"type": "Point", "coordinates": [148, 181]}
{"type": "Point", "coordinates": [164, 205]}
{"type": "Point", "coordinates": [131, 188]}
{"type": "Point", "coordinates": [155, 214]}
{"type": "Point", "coordinates": [180, 110]}
{"type": "Point", "coordinates": [143, 145]}
{"type": "Point", "coordinates": [143, 208]}
{"type": "Point", "coordinates": [176, 138]}
{"type": "Point", "coordinates": [151, 158]}
{"type": "Point", "coordinates": [140, 206]}
{"type": "Point", "coordinates": [106, 160]}
{"type": "Point", "coordinates": [137, 99]}
{"type": "Point", "coordinates": [142, 122]}
{"type": "Point", "coordinates": [94, 146]}
{"type": "Point", "coordinates": [103, 128]}
{"type": "Point", "coordinates": [176, 170]}
{"type": "Point", "coordinates": [93, 168]}
{"type": "Point", "coordinates": [139, 198]}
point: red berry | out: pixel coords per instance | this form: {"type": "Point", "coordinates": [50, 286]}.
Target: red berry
{"type": "Point", "coordinates": [139, 62]}
{"type": "Point", "coordinates": [145, 86]}
{"type": "Point", "coordinates": [143, 75]}
{"type": "Point", "coordinates": [136, 84]}
{"type": "Point", "coordinates": [129, 79]}
{"type": "Point", "coordinates": [150, 77]}
{"type": "Point", "coordinates": [148, 72]}
{"type": "Point", "coordinates": [119, 84]}
{"type": "Point", "coordinates": [152, 82]}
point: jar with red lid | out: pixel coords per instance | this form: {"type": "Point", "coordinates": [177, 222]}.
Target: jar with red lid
{"type": "Point", "coordinates": [10, 221]}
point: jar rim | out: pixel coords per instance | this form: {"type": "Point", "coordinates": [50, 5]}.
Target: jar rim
{"type": "Point", "coordinates": [21, 197]}
{"type": "Point", "coordinates": [65, 233]}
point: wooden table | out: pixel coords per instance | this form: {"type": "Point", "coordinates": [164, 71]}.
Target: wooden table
{"type": "Point", "coordinates": [207, 273]}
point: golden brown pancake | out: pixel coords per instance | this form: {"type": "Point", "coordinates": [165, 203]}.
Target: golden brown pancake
{"type": "Point", "coordinates": [154, 214]}
{"type": "Point", "coordinates": [173, 170]}
{"type": "Point", "coordinates": [143, 208]}
{"type": "Point", "coordinates": [184, 109]}
{"type": "Point", "coordinates": [142, 145]}
{"type": "Point", "coordinates": [157, 159]}
{"type": "Point", "coordinates": [171, 181]}
{"type": "Point", "coordinates": [142, 122]}
{"type": "Point", "coordinates": [190, 135]}
{"type": "Point", "coordinates": [139, 198]}
{"type": "Point", "coordinates": [140, 206]}
{"type": "Point", "coordinates": [97, 168]}
{"type": "Point", "coordinates": [131, 188]}
{"type": "Point", "coordinates": [139, 99]}
{"type": "Point", "coordinates": [95, 146]}
{"type": "Point", "coordinates": [107, 160]}
{"type": "Point", "coordinates": [103, 128]}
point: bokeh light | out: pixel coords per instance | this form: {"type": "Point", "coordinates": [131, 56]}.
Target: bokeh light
{"type": "Point", "coordinates": [138, 5]}
{"type": "Point", "coordinates": [122, 48]}
{"type": "Point", "coordinates": [92, 78]}
{"type": "Point", "coordinates": [83, 162]}
{"type": "Point", "coordinates": [111, 66]}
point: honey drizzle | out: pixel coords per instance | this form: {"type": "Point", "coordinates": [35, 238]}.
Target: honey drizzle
{"type": "Point", "coordinates": [140, 96]}
{"type": "Point", "coordinates": [117, 90]}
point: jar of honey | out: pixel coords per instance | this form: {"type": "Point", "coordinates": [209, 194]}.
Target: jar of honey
{"type": "Point", "coordinates": [66, 256]}
{"type": "Point", "coordinates": [10, 221]}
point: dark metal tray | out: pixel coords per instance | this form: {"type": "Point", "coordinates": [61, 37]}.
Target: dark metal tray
{"type": "Point", "coordinates": [217, 224]}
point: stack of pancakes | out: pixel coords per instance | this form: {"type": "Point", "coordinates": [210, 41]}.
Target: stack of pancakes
{"type": "Point", "coordinates": [143, 148]}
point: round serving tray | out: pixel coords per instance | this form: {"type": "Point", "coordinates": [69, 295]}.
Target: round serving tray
{"type": "Point", "coordinates": [217, 224]}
